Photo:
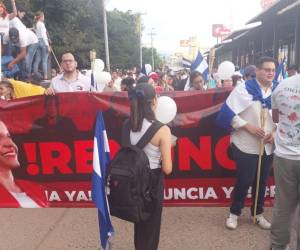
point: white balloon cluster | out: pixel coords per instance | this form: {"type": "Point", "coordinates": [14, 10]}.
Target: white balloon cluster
{"type": "Point", "coordinates": [225, 70]}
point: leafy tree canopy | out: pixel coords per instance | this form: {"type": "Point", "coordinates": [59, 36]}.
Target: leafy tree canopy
{"type": "Point", "coordinates": [77, 26]}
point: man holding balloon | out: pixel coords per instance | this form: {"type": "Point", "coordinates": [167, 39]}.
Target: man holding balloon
{"type": "Point", "coordinates": [246, 114]}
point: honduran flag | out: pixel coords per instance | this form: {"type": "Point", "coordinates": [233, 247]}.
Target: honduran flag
{"type": "Point", "coordinates": [280, 72]}
{"type": "Point", "coordinates": [186, 63]}
{"type": "Point", "coordinates": [241, 97]}
{"type": "Point", "coordinates": [200, 65]}
{"type": "Point", "coordinates": [101, 160]}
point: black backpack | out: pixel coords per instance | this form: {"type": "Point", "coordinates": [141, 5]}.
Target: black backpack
{"type": "Point", "coordinates": [131, 188]}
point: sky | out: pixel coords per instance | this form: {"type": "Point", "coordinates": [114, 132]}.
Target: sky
{"type": "Point", "coordinates": [175, 20]}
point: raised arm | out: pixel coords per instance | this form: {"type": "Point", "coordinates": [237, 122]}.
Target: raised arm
{"type": "Point", "coordinates": [15, 12]}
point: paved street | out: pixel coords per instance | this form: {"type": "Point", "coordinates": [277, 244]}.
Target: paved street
{"type": "Point", "coordinates": [182, 229]}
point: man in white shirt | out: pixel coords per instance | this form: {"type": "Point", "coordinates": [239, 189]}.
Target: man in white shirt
{"type": "Point", "coordinates": [71, 80]}
{"type": "Point", "coordinates": [26, 43]}
{"type": "Point", "coordinates": [242, 114]}
{"type": "Point", "coordinates": [286, 112]}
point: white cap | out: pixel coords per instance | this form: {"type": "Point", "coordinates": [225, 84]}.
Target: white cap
{"type": "Point", "coordinates": [237, 73]}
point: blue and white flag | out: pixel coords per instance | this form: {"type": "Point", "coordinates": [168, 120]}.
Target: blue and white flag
{"type": "Point", "coordinates": [186, 63]}
{"type": "Point", "coordinates": [280, 72]}
{"type": "Point", "coordinates": [241, 97]}
{"type": "Point", "coordinates": [101, 160]}
{"type": "Point", "coordinates": [200, 65]}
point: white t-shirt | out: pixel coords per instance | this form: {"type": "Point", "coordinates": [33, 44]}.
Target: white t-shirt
{"type": "Point", "coordinates": [82, 83]}
{"type": "Point", "coordinates": [286, 98]}
{"type": "Point", "coordinates": [17, 23]}
{"type": "Point", "coordinates": [26, 38]}
{"type": "Point", "coordinates": [117, 83]}
{"type": "Point", "coordinates": [41, 32]}
{"type": "Point", "coordinates": [4, 25]}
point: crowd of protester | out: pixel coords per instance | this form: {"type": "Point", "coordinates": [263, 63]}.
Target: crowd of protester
{"type": "Point", "coordinates": [24, 50]}
{"type": "Point", "coordinates": [25, 53]}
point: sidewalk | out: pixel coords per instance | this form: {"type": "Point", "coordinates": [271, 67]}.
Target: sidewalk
{"type": "Point", "coordinates": [182, 229]}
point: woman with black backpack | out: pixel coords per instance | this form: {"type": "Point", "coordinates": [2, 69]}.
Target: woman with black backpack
{"type": "Point", "coordinates": [143, 103]}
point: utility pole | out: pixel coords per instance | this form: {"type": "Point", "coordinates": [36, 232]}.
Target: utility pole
{"type": "Point", "coordinates": [140, 34]}
{"type": "Point", "coordinates": [105, 35]}
{"type": "Point", "coordinates": [152, 54]}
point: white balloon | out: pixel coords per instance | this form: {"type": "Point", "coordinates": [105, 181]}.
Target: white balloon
{"type": "Point", "coordinates": [166, 109]}
{"type": "Point", "coordinates": [101, 79]}
{"type": "Point", "coordinates": [99, 65]}
{"type": "Point", "coordinates": [148, 69]}
{"type": "Point", "coordinates": [225, 70]}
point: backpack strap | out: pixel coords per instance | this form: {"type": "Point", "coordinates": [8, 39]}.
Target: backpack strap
{"type": "Point", "coordinates": [125, 139]}
{"type": "Point", "coordinates": [150, 132]}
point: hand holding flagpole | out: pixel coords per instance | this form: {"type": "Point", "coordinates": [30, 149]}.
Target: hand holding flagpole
{"type": "Point", "coordinates": [263, 114]}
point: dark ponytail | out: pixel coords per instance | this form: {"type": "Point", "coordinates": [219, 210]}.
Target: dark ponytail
{"type": "Point", "coordinates": [141, 98]}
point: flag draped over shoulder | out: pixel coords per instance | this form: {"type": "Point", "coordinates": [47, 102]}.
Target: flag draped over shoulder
{"type": "Point", "coordinates": [240, 99]}
{"type": "Point", "coordinates": [101, 160]}
{"type": "Point", "coordinates": [200, 65]}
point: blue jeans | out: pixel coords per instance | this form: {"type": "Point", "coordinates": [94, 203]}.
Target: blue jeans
{"type": "Point", "coordinates": [246, 175]}
{"type": "Point", "coordinates": [41, 56]}
{"type": "Point", "coordinates": [31, 50]}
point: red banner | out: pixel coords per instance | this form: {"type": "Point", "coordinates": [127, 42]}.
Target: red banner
{"type": "Point", "coordinates": [54, 137]}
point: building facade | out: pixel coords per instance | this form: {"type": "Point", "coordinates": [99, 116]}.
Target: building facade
{"type": "Point", "coordinates": [278, 36]}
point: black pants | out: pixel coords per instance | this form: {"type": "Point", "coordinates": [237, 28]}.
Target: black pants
{"type": "Point", "coordinates": [146, 233]}
{"type": "Point", "coordinates": [246, 176]}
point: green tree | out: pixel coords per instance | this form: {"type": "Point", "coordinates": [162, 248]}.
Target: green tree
{"type": "Point", "coordinates": [147, 57]}
{"type": "Point", "coordinates": [77, 26]}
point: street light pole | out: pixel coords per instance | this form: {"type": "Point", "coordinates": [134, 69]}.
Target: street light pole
{"type": "Point", "coordinates": [152, 53]}
{"type": "Point", "coordinates": [141, 46]}
{"type": "Point", "coordinates": [105, 35]}
{"type": "Point", "coordinates": [141, 36]}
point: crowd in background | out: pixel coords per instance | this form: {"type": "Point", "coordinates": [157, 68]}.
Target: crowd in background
{"type": "Point", "coordinates": [25, 53]}
{"type": "Point", "coordinates": [181, 80]}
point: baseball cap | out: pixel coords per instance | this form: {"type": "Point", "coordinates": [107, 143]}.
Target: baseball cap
{"type": "Point", "coordinates": [237, 73]}
{"type": "Point", "coordinates": [154, 76]}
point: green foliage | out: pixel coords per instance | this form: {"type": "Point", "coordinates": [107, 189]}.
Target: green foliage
{"type": "Point", "coordinates": [147, 57]}
{"type": "Point", "coordinates": [77, 26]}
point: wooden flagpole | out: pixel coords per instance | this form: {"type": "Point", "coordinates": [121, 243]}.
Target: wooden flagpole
{"type": "Point", "coordinates": [261, 152]}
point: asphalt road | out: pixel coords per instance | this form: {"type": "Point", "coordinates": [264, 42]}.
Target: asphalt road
{"type": "Point", "coordinates": [195, 228]}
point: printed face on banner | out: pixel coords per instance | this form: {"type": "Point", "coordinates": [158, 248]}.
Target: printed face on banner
{"type": "Point", "coordinates": [51, 108]}
{"type": "Point", "coordinates": [8, 150]}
